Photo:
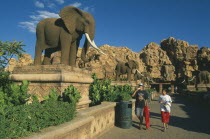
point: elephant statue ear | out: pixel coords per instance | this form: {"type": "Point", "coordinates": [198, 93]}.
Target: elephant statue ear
{"type": "Point", "coordinates": [69, 15]}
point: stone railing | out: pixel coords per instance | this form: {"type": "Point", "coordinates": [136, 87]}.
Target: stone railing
{"type": "Point", "coordinates": [89, 123]}
{"type": "Point", "coordinates": [134, 84]}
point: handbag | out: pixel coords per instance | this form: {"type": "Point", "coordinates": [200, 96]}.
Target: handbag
{"type": "Point", "coordinates": [146, 115]}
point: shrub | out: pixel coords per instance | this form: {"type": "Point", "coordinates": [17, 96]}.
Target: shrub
{"type": "Point", "coordinates": [23, 119]}
{"type": "Point", "coordinates": [14, 94]}
{"type": "Point", "coordinates": [71, 95]}
{"type": "Point", "coordinates": [20, 119]}
{"type": "Point", "coordinates": [101, 90]}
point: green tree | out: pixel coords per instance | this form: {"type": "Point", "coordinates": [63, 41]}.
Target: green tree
{"type": "Point", "coordinates": [8, 50]}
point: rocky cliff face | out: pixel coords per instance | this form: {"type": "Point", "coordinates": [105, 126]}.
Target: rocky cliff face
{"type": "Point", "coordinates": [168, 61]}
{"type": "Point", "coordinates": [203, 58]}
{"type": "Point", "coordinates": [182, 55]}
{"type": "Point", "coordinates": [104, 65]}
{"type": "Point", "coordinates": [157, 62]}
{"type": "Point", "coordinates": [22, 61]}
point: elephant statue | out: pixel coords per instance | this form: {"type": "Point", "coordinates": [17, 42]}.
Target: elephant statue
{"type": "Point", "coordinates": [138, 75]}
{"type": "Point", "coordinates": [147, 79]}
{"type": "Point", "coordinates": [125, 68]}
{"type": "Point", "coordinates": [64, 34]}
{"type": "Point", "coordinates": [204, 77]}
{"type": "Point", "coordinates": [191, 80]}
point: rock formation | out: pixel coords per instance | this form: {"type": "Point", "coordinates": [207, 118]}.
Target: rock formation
{"type": "Point", "coordinates": [204, 59]}
{"type": "Point", "coordinates": [157, 62]}
{"type": "Point", "coordinates": [22, 61]}
{"type": "Point", "coordinates": [182, 55]}
{"type": "Point", "coordinates": [172, 60]}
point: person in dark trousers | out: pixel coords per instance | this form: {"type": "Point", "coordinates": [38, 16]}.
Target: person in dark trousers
{"type": "Point", "coordinates": [140, 109]}
{"type": "Point", "coordinates": [140, 91]}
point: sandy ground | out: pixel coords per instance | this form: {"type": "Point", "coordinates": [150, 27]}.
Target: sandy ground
{"type": "Point", "coordinates": [187, 121]}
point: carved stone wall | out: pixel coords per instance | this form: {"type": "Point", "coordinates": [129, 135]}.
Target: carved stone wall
{"type": "Point", "coordinates": [88, 124]}
{"type": "Point", "coordinates": [46, 77]}
{"type": "Point", "coordinates": [104, 117]}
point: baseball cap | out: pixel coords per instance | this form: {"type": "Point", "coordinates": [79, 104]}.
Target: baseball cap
{"type": "Point", "coordinates": [141, 84]}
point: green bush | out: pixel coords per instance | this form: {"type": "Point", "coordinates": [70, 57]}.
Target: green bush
{"type": "Point", "coordinates": [101, 90]}
{"type": "Point", "coordinates": [20, 119]}
{"type": "Point", "coordinates": [71, 95]}
{"type": "Point", "coordinates": [14, 94]}
{"type": "Point", "coordinates": [23, 119]}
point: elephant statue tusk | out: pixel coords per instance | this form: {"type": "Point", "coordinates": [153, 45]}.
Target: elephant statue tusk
{"type": "Point", "coordinates": [152, 80]}
{"type": "Point", "coordinates": [139, 72]}
{"type": "Point", "coordinates": [98, 48]}
{"type": "Point", "coordinates": [183, 81]}
{"type": "Point", "coordinates": [192, 78]}
{"type": "Point", "coordinates": [93, 44]}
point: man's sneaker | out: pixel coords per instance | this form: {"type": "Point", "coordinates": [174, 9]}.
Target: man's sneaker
{"type": "Point", "coordinates": [140, 126]}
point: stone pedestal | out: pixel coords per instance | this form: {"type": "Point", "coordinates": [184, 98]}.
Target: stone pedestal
{"type": "Point", "coordinates": [191, 87]}
{"type": "Point", "coordinates": [43, 78]}
{"type": "Point", "coordinates": [172, 88]}
{"type": "Point", "coordinates": [160, 88]}
{"type": "Point", "coordinates": [203, 87]}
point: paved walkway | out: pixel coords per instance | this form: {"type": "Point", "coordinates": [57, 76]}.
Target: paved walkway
{"type": "Point", "coordinates": [186, 123]}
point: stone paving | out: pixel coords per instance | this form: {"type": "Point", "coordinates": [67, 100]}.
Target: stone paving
{"type": "Point", "coordinates": [188, 121]}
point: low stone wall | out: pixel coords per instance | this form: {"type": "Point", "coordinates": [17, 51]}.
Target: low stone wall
{"type": "Point", "coordinates": [134, 84]}
{"type": "Point", "coordinates": [203, 87]}
{"type": "Point", "coordinates": [88, 124]}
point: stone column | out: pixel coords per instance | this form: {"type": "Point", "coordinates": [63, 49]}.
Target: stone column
{"type": "Point", "coordinates": [160, 88]}
{"type": "Point", "coordinates": [172, 88]}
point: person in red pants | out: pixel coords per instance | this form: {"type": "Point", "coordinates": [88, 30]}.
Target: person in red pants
{"type": "Point", "coordinates": [165, 108]}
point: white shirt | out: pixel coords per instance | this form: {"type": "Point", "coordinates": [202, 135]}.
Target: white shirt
{"type": "Point", "coordinates": [165, 100]}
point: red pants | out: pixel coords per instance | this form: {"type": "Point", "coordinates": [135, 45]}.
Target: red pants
{"type": "Point", "coordinates": [165, 117]}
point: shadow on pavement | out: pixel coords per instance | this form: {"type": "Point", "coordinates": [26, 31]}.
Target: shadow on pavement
{"type": "Point", "coordinates": [199, 116]}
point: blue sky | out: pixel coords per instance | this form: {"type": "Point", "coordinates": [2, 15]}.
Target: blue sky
{"type": "Point", "coordinates": [130, 23]}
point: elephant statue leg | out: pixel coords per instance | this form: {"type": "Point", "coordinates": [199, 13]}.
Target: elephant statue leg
{"type": "Point", "coordinates": [129, 75]}
{"type": "Point", "coordinates": [38, 52]}
{"type": "Point", "coordinates": [118, 76]}
{"type": "Point", "coordinates": [47, 56]}
{"type": "Point", "coordinates": [65, 49]}
{"type": "Point", "coordinates": [73, 52]}
{"type": "Point", "coordinates": [208, 77]}
{"type": "Point", "coordinates": [200, 79]}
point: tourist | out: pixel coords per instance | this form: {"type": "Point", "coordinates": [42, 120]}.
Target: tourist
{"type": "Point", "coordinates": [140, 109]}
{"type": "Point", "coordinates": [136, 94]}
{"type": "Point", "coordinates": [165, 108]}
{"type": "Point", "coordinates": [175, 89]}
